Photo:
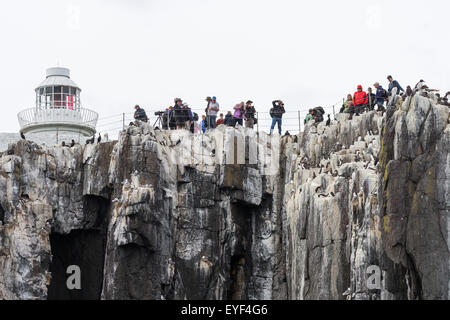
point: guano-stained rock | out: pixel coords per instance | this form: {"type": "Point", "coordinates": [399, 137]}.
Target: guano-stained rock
{"type": "Point", "coordinates": [233, 214]}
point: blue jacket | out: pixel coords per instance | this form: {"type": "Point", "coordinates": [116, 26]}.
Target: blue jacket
{"type": "Point", "coordinates": [203, 126]}
{"type": "Point", "coordinates": [393, 85]}
{"type": "Point", "coordinates": [379, 97]}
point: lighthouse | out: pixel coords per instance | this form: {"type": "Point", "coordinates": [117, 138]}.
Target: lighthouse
{"type": "Point", "coordinates": [58, 115]}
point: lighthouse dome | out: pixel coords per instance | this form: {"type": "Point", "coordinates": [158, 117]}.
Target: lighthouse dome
{"type": "Point", "coordinates": [58, 77]}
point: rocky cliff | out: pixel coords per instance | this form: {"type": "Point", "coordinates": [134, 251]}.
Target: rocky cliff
{"type": "Point", "coordinates": [233, 214]}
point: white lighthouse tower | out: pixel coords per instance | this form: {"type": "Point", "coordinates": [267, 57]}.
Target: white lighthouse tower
{"type": "Point", "coordinates": [58, 115]}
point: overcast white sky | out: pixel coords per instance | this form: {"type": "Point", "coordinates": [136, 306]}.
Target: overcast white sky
{"type": "Point", "coordinates": [307, 53]}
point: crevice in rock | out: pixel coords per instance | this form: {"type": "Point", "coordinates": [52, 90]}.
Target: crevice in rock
{"type": "Point", "coordinates": [241, 259]}
{"type": "Point", "coordinates": [414, 279]}
{"type": "Point", "coordinates": [82, 248]}
{"type": "Point", "coordinates": [2, 214]}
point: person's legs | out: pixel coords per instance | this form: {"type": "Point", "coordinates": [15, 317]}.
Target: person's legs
{"type": "Point", "coordinates": [212, 122]}
{"type": "Point", "coordinates": [240, 121]}
{"type": "Point", "coordinates": [274, 121]}
{"type": "Point", "coordinates": [279, 120]}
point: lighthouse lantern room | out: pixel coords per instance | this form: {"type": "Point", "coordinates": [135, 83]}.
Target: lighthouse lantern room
{"type": "Point", "coordinates": [58, 114]}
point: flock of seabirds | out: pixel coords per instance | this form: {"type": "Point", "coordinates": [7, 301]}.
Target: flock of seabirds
{"type": "Point", "coordinates": [356, 104]}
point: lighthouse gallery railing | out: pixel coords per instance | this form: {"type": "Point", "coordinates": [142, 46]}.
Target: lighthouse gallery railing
{"type": "Point", "coordinates": [63, 115]}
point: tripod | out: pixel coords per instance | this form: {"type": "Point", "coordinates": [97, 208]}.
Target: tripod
{"type": "Point", "coordinates": [159, 120]}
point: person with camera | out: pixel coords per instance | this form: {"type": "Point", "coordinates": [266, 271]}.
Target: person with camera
{"type": "Point", "coordinates": [277, 115]}
{"type": "Point", "coordinates": [140, 114]}
{"type": "Point", "coordinates": [213, 109]}
{"type": "Point", "coordinates": [249, 114]}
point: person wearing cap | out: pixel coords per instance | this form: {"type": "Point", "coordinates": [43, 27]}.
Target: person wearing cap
{"type": "Point", "coordinates": [277, 115]}
{"type": "Point", "coordinates": [212, 110]}
{"type": "Point", "coordinates": [381, 96]}
{"type": "Point", "coordinates": [140, 114]}
{"type": "Point", "coordinates": [394, 84]}
{"type": "Point", "coordinates": [360, 100]}
{"type": "Point", "coordinates": [249, 114]}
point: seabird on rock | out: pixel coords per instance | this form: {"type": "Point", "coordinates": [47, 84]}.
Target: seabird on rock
{"type": "Point", "coordinates": [22, 136]}
{"type": "Point", "coordinates": [409, 91]}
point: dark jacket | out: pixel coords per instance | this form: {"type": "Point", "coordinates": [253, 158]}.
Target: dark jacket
{"type": "Point", "coordinates": [393, 85]}
{"type": "Point", "coordinates": [249, 112]}
{"type": "Point", "coordinates": [140, 114]}
{"type": "Point", "coordinates": [229, 120]}
{"type": "Point", "coordinates": [372, 99]}
{"type": "Point", "coordinates": [381, 95]}
{"type": "Point", "coordinates": [277, 111]}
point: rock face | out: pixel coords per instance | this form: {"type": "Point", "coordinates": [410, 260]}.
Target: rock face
{"type": "Point", "coordinates": [233, 214]}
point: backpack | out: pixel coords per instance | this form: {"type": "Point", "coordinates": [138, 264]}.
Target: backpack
{"type": "Point", "coordinates": [385, 94]}
{"type": "Point", "coordinates": [195, 116]}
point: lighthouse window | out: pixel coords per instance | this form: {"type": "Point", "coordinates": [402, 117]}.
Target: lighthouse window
{"type": "Point", "coordinates": [66, 90]}
{"type": "Point", "coordinates": [49, 90]}
{"type": "Point", "coordinates": [58, 89]}
{"type": "Point", "coordinates": [41, 91]}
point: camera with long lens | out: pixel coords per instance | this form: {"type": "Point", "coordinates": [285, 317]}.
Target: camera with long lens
{"type": "Point", "coordinates": [159, 113]}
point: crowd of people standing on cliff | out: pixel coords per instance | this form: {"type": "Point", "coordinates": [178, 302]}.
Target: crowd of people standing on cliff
{"type": "Point", "coordinates": [362, 101]}
{"type": "Point", "coordinates": [180, 115]}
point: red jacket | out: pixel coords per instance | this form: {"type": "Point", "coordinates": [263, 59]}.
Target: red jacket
{"type": "Point", "coordinates": [360, 97]}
